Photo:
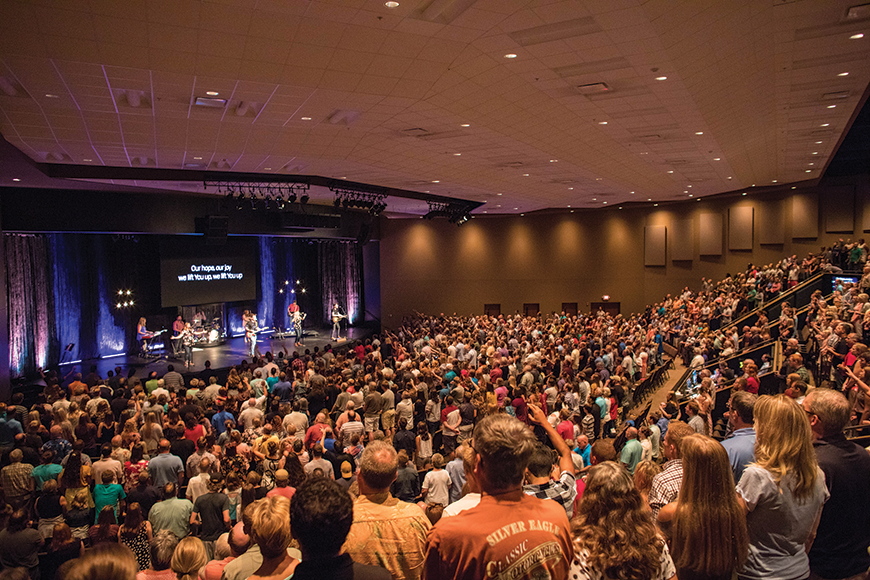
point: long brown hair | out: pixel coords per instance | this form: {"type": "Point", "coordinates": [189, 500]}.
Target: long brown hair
{"type": "Point", "coordinates": [613, 527]}
{"type": "Point", "coordinates": [133, 520]}
{"type": "Point", "coordinates": [784, 443]}
{"type": "Point", "coordinates": [709, 534]}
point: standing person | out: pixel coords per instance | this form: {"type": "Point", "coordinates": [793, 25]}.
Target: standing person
{"type": "Point", "coordinates": [469, 544]}
{"type": "Point", "coordinates": [298, 317]}
{"type": "Point", "coordinates": [666, 485]}
{"type": "Point", "coordinates": [783, 492]}
{"type": "Point", "coordinates": [212, 511]}
{"type": "Point", "coordinates": [843, 535]}
{"type": "Point", "coordinates": [336, 321]}
{"type": "Point", "coordinates": [165, 467]}
{"type": "Point", "coordinates": [21, 544]}
{"type": "Point", "coordinates": [322, 515]}
{"type": "Point", "coordinates": [436, 484]}
{"type": "Point", "coordinates": [172, 513]}
{"type": "Point", "coordinates": [188, 339]}
{"type": "Point", "coordinates": [188, 559]}
{"type": "Point", "coordinates": [135, 533]}
{"type": "Point", "coordinates": [271, 532]}
{"type": "Point", "coordinates": [17, 481]}
{"type": "Point", "coordinates": [707, 527]}
{"type": "Point", "coordinates": [385, 531]}
{"type": "Point", "coordinates": [741, 444]}
{"type": "Point", "coordinates": [62, 548]}
{"type": "Point", "coordinates": [614, 534]}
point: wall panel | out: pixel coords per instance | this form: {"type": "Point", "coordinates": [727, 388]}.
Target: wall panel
{"type": "Point", "coordinates": [805, 215]}
{"type": "Point", "coordinates": [655, 245]}
{"type": "Point", "coordinates": [839, 209]}
{"type": "Point", "coordinates": [711, 234]}
{"type": "Point", "coordinates": [771, 222]}
{"type": "Point", "coordinates": [682, 240]}
{"type": "Point", "coordinates": [740, 227]}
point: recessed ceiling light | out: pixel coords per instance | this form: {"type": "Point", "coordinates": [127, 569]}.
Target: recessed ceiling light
{"type": "Point", "coordinates": [631, 192]}
{"type": "Point", "coordinates": [794, 187]}
{"type": "Point", "coordinates": [570, 188]}
{"type": "Point", "coordinates": [510, 55]}
{"type": "Point", "coordinates": [267, 169]}
{"type": "Point", "coordinates": [832, 106]}
{"type": "Point", "coordinates": [717, 159]}
{"type": "Point", "coordinates": [391, 4]}
{"type": "Point", "coordinates": [436, 181]}
{"type": "Point", "coordinates": [774, 181]}
{"type": "Point", "coordinates": [690, 195]}
{"type": "Point", "coordinates": [516, 208]}
{"type": "Point", "coordinates": [594, 199]}
{"type": "Point", "coordinates": [818, 142]}
{"type": "Point", "coordinates": [815, 152]}
{"type": "Point", "coordinates": [51, 96]}
{"type": "Point", "coordinates": [597, 179]}
{"type": "Point", "coordinates": [809, 171]}
{"type": "Point", "coordinates": [457, 154]}
{"type": "Point", "coordinates": [602, 122]}
{"type": "Point", "coordinates": [465, 125]}
{"type": "Point", "coordinates": [729, 177]}
{"type": "Point", "coordinates": [843, 74]}
{"type": "Point", "coordinates": [15, 179]}
{"type": "Point", "coordinates": [212, 93]}
{"type": "Point", "coordinates": [671, 171]}
{"type": "Point", "coordinates": [525, 174]}
{"type": "Point", "coordinates": [569, 206]}
{"type": "Point", "coordinates": [825, 124]}
{"type": "Point", "coordinates": [553, 160]}
{"type": "Point", "coordinates": [685, 191]}
{"type": "Point", "coordinates": [572, 211]}
{"type": "Point", "coordinates": [498, 194]}
{"type": "Point", "coordinates": [649, 199]}
{"type": "Point", "coordinates": [661, 78]}
{"type": "Point", "coordinates": [605, 203]}
{"type": "Point", "coordinates": [744, 193]}
{"type": "Point", "coordinates": [197, 158]}
{"type": "Point", "coordinates": [699, 132]}
{"type": "Point", "coordinates": [810, 163]}
{"type": "Point", "coordinates": [655, 205]}
{"type": "Point", "coordinates": [857, 36]}
{"type": "Point", "coordinates": [87, 159]}
{"type": "Point", "coordinates": [699, 199]}
{"type": "Point", "coordinates": [688, 186]}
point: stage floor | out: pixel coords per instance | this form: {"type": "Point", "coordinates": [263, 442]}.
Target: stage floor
{"type": "Point", "coordinates": [221, 357]}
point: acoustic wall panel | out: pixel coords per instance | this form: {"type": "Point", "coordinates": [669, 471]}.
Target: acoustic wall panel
{"type": "Point", "coordinates": [711, 234]}
{"type": "Point", "coordinates": [805, 215]}
{"type": "Point", "coordinates": [654, 245]}
{"type": "Point", "coordinates": [839, 209]}
{"type": "Point", "coordinates": [866, 222]}
{"type": "Point", "coordinates": [740, 224]}
{"type": "Point", "coordinates": [682, 240]}
{"type": "Point", "coordinates": [771, 223]}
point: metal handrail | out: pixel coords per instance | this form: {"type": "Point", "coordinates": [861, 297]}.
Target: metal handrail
{"type": "Point", "coordinates": [773, 301]}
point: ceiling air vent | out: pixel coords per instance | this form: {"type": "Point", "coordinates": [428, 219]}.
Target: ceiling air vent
{"type": "Point", "coordinates": [858, 12]}
{"type": "Point", "coordinates": [592, 88]}
{"type": "Point", "coordinates": [415, 132]}
{"type": "Point", "coordinates": [210, 102]}
{"type": "Point", "coordinates": [835, 96]}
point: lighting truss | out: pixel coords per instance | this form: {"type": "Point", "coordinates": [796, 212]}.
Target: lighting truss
{"type": "Point", "coordinates": [268, 194]}
{"type": "Point", "coordinates": [373, 201]}
{"type": "Point", "coordinates": [456, 213]}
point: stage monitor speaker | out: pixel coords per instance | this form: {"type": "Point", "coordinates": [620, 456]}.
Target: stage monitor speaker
{"type": "Point", "coordinates": [216, 229]}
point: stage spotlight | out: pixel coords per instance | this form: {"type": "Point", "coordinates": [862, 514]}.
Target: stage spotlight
{"type": "Point", "coordinates": [128, 292]}
{"type": "Point", "coordinates": [119, 305]}
{"type": "Point", "coordinates": [298, 282]}
{"type": "Point", "coordinates": [281, 291]}
{"type": "Point", "coordinates": [286, 282]}
{"type": "Point", "coordinates": [131, 303]}
{"type": "Point", "coordinates": [304, 198]}
{"type": "Point", "coordinates": [303, 290]}
{"type": "Point", "coordinates": [292, 291]}
{"type": "Point", "coordinates": [120, 292]}
{"type": "Point", "coordinates": [292, 198]}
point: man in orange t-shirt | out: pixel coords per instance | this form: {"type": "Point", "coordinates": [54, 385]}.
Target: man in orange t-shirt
{"type": "Point", "coordinates": [509, 534]}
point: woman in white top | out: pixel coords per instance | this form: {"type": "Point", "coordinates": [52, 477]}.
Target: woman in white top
{"type": "Point", "coordinates": [436, 484]}
{"type": "Point", "coordinates": [783, 492]}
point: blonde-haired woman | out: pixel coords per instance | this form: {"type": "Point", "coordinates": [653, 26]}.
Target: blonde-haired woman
{"type": "Point", "coordinates": [707, 525]}
{"type": "Point", "coordinates": [783, 492]}
{"type": "Point", "coordinates": [188, 559]}
{"type": "Point", "coordinates": [271, 532]}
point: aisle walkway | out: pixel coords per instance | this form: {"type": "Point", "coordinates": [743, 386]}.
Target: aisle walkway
{"type": "Point", "coordinates": [661, 394]}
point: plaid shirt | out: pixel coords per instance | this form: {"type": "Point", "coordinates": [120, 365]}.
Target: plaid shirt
{"type": "Point", "coordinates": [563, 491]}
{"type": "Point", "coordinates": [16, 479]}
{"type": "Point", "coordinates": [666, 485]}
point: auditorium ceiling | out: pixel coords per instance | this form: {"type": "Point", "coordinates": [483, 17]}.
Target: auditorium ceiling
{"type": "Point", "coordinates": [520, 105]}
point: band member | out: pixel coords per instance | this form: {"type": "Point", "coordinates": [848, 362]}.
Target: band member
{"type": "Point", "coordinates": [188, 339]}
{"type": "Point", "coordinates": [293, 308]}
{"type": "Point", "coordinates": [336, 321]}
{"type": "Point", "coordinates": [177, 329]}
{"type": "Point", "coordinates": [142, 334]}
{"type": "Point", "coordinates": [298, 317]}
{"type": "Point", "coordinates": [251, 329]}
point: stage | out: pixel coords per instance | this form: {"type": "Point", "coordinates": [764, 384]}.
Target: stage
{"type": "Point", "coordinates": [222, 357]}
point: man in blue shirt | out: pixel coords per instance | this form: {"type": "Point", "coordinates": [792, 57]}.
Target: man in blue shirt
{"type": "Point", "coordinates": [283, 389]}
{"type": "Point", "coordinates": [741, 445]}
{"type": "Point", "coordinates": [583, 449]}
{"type": "Point", "coordinates": [218, 421]}
{"type": "Point", "coordinates": [165, 467]}
{"type": "Point", "coordinates": [9, 428]}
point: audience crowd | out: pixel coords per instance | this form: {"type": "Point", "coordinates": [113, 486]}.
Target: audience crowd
{"type": "Point", "coordinates": [461, 447]}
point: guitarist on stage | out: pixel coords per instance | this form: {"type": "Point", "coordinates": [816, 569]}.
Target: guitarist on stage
{"type": "Point", "coordinates": [298, 317]}
{"type": "Point", "coordinates": [336, 321]}
{"type": "Point", "coordinates": [251, 330]}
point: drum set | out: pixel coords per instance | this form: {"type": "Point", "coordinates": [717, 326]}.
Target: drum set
{"type": "Point", "coordinates": [207, 334]}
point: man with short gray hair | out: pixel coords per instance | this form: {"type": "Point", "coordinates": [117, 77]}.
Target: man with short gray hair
{"type": "Point", "coordinates": [843, 535]}
{"type": "Point", "coordinates": [386, 531]}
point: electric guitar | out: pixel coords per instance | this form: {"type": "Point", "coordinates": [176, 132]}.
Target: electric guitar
{"type": "Point", "coordinates": [337, 317]}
